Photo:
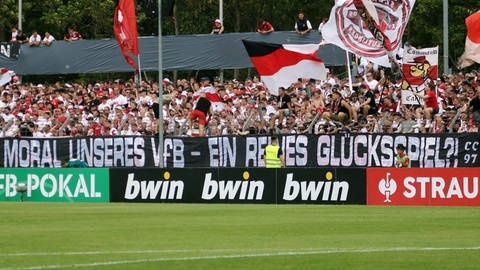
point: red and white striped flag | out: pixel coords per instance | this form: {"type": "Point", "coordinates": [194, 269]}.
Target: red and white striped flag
{"type": "Point", "coordinates": [281, 65]}
{"type": "Point", "coordinates": [212, 95]}
{"type": "Point", "coordinates": [472, 44]}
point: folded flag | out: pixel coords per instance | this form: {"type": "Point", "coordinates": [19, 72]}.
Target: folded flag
{"type": "Point", "coordinates": [281, 65]}
{"type": "Point", "coordinates": [125, 29]}
{"type": "Point", "coordinates": [5, 76]}
{"type": "Point", "coordinates": [212, 95]}
{"type": "Point", "coordinates": [472, 44]}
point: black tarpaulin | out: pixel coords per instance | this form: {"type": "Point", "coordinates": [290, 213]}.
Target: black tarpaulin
{"type": "Point", "coordinates": [186, 52]}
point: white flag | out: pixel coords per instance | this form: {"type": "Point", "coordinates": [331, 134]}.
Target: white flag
{"type": "Point", "coordinates": [348, 30]}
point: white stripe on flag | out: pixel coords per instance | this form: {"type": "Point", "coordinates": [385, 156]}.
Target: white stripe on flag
{"type": "Point", "coordinates": [287, 75]}
{"type": "Point", "coordinates": [302, 48]}
{"type": "Point", "coordinates": [471, 54]}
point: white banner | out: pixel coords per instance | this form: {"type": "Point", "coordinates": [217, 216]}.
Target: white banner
{"type": "Point", "coordinates": [420, 66]}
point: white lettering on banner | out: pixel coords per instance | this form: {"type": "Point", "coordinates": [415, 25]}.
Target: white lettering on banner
{"type": "Point", "coordinates": [372, 146]}
{"type": "Point", "coordinates": [436, 187]}
{"type": "Point", "coordinates": [472, 146]}
{"type": "Point", "coordinates": [347, 160]}
{"type": "Point", "coordinates": [173, 149]}
{"type": "Point", "coordinates": [295, 150]}
{"type": "Point", "coordinates": [471, 152]}
{"type": "Point", "coordinates": [232, 190]}
{"type": "Point", "coordinates": [5, 50]}
{"type": "Point", "coordinates": [253, 151]}
{"type": "Point", "coordinates": [150, 190]}
{"type": "Point", "coordinates": [81, 187]}
{"type": "Point", "coordinates": [50, 185]}
{"type": "Point", "coordinates": [361, 157]}
{"type": "Point", "coordinates": [334, 161]}
{"type": "Point", "coordinates": [323, 157]}
{"type": "Point", "coordinates": [311, 190]}
{"type": "Point", "coordinates": [356, 150]}
{"type": "Point", "coordinates": [223, 153]}
{"type": "Point", "coordinates": [386, 154]}
{"type": "Point", "coordinates": [10, 185]}
{"type": "Point", "coordinates": [428, 159]}
{"type": "Point", "coordinates": [109, 152]}
{"type": "Point", "coordinates": [27, 154]}
{"type": "Point", "coordinates": [379, 151]}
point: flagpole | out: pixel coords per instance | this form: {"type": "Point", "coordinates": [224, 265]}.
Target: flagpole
{"type": "Point", "coordinates": [349, 72]}
{"type": "Point", "coordinates": [446, 69]}
{"type": "Point", "coordinates": [139, 69]}
{"type": "Point", "coordinates": [160, 86]}
{"type": "Point", "coordinates": [20, 10]}
{"type": "Point", "coordinates": [220, 16]}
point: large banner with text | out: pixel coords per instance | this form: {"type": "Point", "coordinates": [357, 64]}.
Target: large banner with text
{"type": "Point", "coordinates": [55, 185]}
{"type": "Point", "coordinates": [251, 186]}
{"type": "Point", "coordinates": [447, 187]}
{"type": "Point", "coordinates": [350, 150]}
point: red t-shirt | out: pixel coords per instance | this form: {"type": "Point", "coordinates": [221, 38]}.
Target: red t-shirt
{"type": "Point", "coordinates": [62, 118]}
{"type": "Point", "coordinates": [391, 108]}
{"type": "Point", "coordinates": [432, 100]}
{"type": "Point", "coordinates": [266, 26]}
{"type": "Point", "coordinates": [74, 36]}
{"type": "Point", "coordinates": [97, 129]}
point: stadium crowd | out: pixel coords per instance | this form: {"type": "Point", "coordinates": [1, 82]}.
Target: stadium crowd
{"type": "Point", "coordinates": [318, 107]}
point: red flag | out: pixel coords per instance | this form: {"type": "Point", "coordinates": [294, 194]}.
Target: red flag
{"type": "Point", "coordinates": [125, 28]}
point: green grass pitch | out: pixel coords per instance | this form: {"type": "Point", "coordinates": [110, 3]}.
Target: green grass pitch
{"type": "Point", "coordinates": [40, 236]}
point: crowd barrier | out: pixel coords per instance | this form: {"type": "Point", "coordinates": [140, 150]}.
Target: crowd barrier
{"type": "Point", "coordinates": [326, 151]}
{"type": "Point", "coordinates": [372, 186]}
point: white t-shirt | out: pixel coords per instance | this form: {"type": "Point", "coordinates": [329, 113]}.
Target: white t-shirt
{"type": "Point", "coordinates": [102, 106]}
{"type": "Point", "coordinates": [372, 84]}
{"type": "Point", "coordinates": [49, 39]}
{"type": "Point", "coordinates": [14, 36]}
{"type": "Point", "coordinates": [320, 27]}
{"type": "Point", "coordinates": [120, 100]}
{"type": "Point", "coordinates": [36, 38]}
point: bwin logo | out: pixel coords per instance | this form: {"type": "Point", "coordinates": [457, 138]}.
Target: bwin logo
{"type": "Point", "coordinates": [316, 190]}
{"type": "Point", "coordinates": [232, 190]}
{"type": "Point", "coordinates": [156, 189]}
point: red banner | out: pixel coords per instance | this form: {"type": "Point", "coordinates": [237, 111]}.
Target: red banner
{"type": "Point", "coordinates": [125, 28]}
{"type": "Point", "coordinates": [449, 187]}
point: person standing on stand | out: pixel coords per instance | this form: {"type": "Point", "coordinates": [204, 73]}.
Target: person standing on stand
{"type": "Point", "coordinates": [402, 160]}
{"type": "Point", "coordinates": [274, 155]}
{"type": "Point", "coordinates": [202, 109]}
{"type": "Point", "coordinates": [302, 24]}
